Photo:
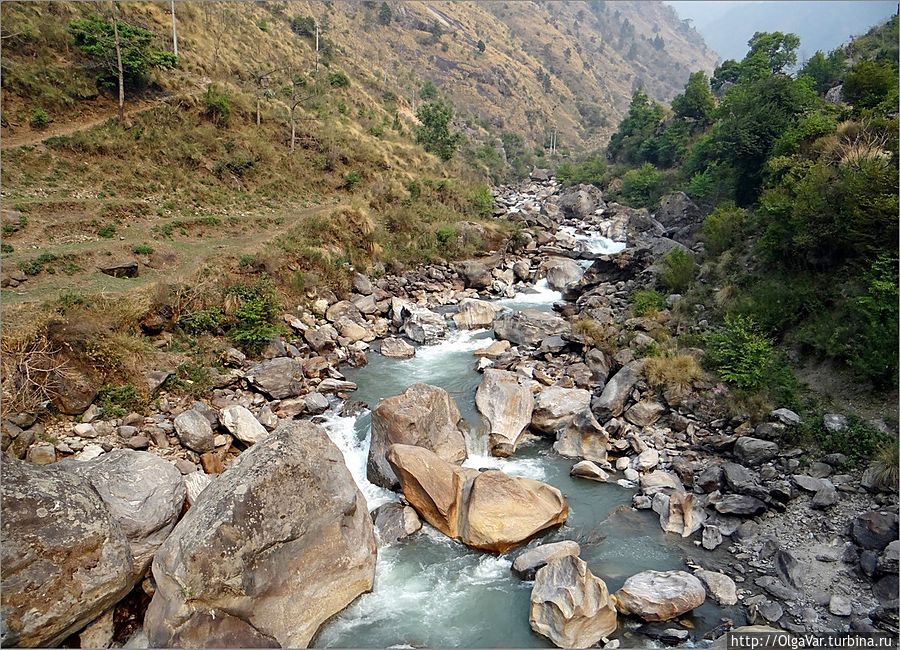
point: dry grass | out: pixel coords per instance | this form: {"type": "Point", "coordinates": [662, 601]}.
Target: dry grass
{"type": "Point", "coordinates": [32, 369]}
{"type": "Point", "coordinates": [673, 372]}
{"type": "Point", "coordinates": [886, 467]}
{"type": "Point", "coordinates": [596, 335]}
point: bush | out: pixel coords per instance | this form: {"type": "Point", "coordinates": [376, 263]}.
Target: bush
{"type": "Point", "coordinates": [741, 354]}
{"type": "Point", "coordinates": [868, 84]}
{"type": "Point", "coordinates": [641, 187]}
{"type": "Point", "coordinates": [338, 79]}
{"type": "Point", "coordinates": [217, 105]}
{"type": "Point", "coordinates": [645, 302]}
{"type": "Point", "coordinates": [446, 236]}
{"type": "Point", "coordinates": [482, 201]}
{"type": "Point", "coordinates": [591, 171]}
{"type": "Point", "coordinates": [142, 249]}
{"type": "Point", "coordinates": [303, 25]}
{"type": "Point", "coordinates": [254, 318]}
{"type": "Point", "coordinates": [351, 180]}
{"type": "Point", "coordinates": [858, 441]}
{"type": "Point", "coordinates": [724, 228]}
{"type": "Point", "coordinates": [203, 321]}
{"type": "Point", "coordinates": [108, 231]}
{"type": "Point", "coordinates": [39, 119]}
{"type": "Point", "coordinates": [117, 401]}
{"type": "Point", "coordinates": [434, 131]}
{"type": "Point", "coordinates": [677, 270]}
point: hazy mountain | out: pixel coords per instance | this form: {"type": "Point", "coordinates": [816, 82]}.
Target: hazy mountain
{"type": "Point", "coordinates": [727, 26]}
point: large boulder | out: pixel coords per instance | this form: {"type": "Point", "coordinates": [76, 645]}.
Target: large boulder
{"type": "Point", "coordinates": [527, 563]}
{"type": "Point", "coordinates": [679, 214]}
{"type": "Point", "coordinates": [611, 402]}
{"type": "Point", "coordinates": [583, 437]}
{"type": "Point", "coordinates": [423, 325]}
{"type": "Point", "coordinates": [194, 431]}
{"type": "Point", "coordinates": [422, 415]}
{"type": "Point", "coordinates": [485, 510]}
{"type": "Point", "coordinates": [528, 327]}
{"type": "Point", "coordinates": [555, 408]}
{"type": "Point", "coordinates": [753, 451]}
{"type": "Point", "coordinates": [278, 378]}
{"type": "Point", "coordinates": [65, 558]}
{"type": "Point", "coordinates": [395, 348]}
{"type": "Point", "coordinates": [660, 595]}
{"type": "Point", "coordinates": [562, 272]}
{"type": "Point", "coordinates": [276, 545]}
{"type": "Point", "coordinates": [395, 521]}
{"type": "Point", "coordinates": [507, 405]}
{"type": "Point", "coordinates": [476, 275]}
{"type": "Point", "coordinates": [679, 512]}
{"type": "Point", "coordinates": [475, 314]}
{"type": "Point", "coordinates": [581, 201]}
{"type": "Point", "coordinates": [570, 605]}
{"type": "Point", "coordinates": [143, 492]}
{"type": "Point", "coordinates": [874, 530]}
{"type": "Point", "coordinates": [242, 424]}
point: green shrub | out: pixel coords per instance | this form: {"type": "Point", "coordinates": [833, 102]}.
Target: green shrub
{"type": "Point", "coordinates": [246, 260]}
{"type": "Point", "coordinates": [217, 105]}
{"type": "Point", "coordinates": [6, 248]}
{"type": "Point", "coordinates": [677, 270]}
{"type": "Point", "coordinates": [39, 119]}
{"type": "Point", "coordinates": [203, 321]}
{"type": "Point", "coordinates": [338, 79]}
{"type": "Point", "coordinates": [482, 201]}
{"type": "Point", "coordinates": [641, 187]}
{"type": "Point", "coordinates": [724, 228]}
{"type": "Point", "coordinates": [108, 231]}
{"type": "Point", "coordinates": [591, 171]}
{"type": "Point", "coordinates": [142, 249]}
{"type": "Point", "coordinates": [116, 401]}
{"type": "Point", "coordinates": [645, 302]}
{"type": "Point", "coordinates": [859, 441]}
{"type": "Point", "coordinates": [351, 180]}
{"type": "Point", "coordinates": [254, 319]}
{"type": "Point", "coordinates": [36, 265]}
{"type": "Point", "coordinates": [434, 130]}
{"type": "Point", "coordinates": [446, 236]}
{"type": "Point", "coordinates": [304, 26]}
{"type": "Point", "coordinates": [741, 354]}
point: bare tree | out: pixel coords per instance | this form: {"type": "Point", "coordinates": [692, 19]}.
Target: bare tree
{"type": "Point", "coordinates": [296, 94]}
{"type": "Point", "coordinates": [260, 86]}
{"type": "Point", "coordinates": [119, 63]}
{"type": "Point", "coordinates": [174, 31]}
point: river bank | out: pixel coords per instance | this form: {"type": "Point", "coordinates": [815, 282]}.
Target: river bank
{"type": "Point", "coordinates": [776, 535]}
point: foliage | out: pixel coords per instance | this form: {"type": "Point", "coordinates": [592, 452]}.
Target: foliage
{"type": "Point", "coordinates": [628, 144]}
{"type": "Point", "coordinates": [142, 249]}
{"type": "Point", "coordinates": [741, 354]}
{"type": "Point", "coordinates": [434, 131]}
{"type": "Point", "coordinates": [254, 319]}
{"type": "Point", "coordinates": [94, 36]}
{"type": "Point", "coordinates": [641, 187]}
{"type": "Point", "coordinates": [385, 14]}
{"type": "Point", "coordinates": [696, 102]}
{"type": "Point", "coordinates": [483, 201]}
{"type": "Point", "coordinates": [646, 302]}
{"type": "Point", "coordinates": [592, 171]}
{"type": "Point", "coordinates": [869, 83]}
{"type": "Point", "coordinates": [39, 119]}
{"type": "Point", "coordinates": [203, 321]}
{"type": "Point", "coordinates": [428, 91]}
{"type": "Point", "coordinates": [824, 70]}
{"type": "Point", "coordinates": [677, 271]}
{"type": "Point", "coordinates": [217, 105]}
{"type": "Point", "coordinates": [304, 26]}
{"type": "Point", "coordinates": [351, 179]}
{"type": "Point", "coordinates": [338, 79]}
{"type": "Point", "coordinates": [886, 466]}
{"type": "Point", "coordinates": [117, 401]}
{"type": "Point", "coordinates": [724, 228]}
{"type": "Point", "coordinates": [672, 372]}
{"type": "Point", "coordinates": [859, 441]}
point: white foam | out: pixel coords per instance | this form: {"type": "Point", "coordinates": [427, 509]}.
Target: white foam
{"type": "Point", "coordinates": [541, 295]}
{"type": "Point", "coordinates": [456, 342]}
{"type": "Point", "coordinates": [527, 467]}
{"type": "Point", "coordinates": [594, 242]}
{"type": "Point", "coordinates": [342, 431]}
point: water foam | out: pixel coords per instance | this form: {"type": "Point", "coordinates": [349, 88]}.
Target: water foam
{"type": "Point", "coordinates": [541, 296]}
{"type": "Point", "coordinates": [594, 242]}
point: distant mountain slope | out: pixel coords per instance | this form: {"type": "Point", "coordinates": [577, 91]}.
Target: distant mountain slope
{"type": "Point", "coordinates": [728, 26]}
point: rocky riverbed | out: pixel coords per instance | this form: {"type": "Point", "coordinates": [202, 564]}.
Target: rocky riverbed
{"type": "Point", "coordinates": [259, 527]}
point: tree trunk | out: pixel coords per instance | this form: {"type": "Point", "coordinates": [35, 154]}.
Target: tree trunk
{"type": "Point", "coordinates": [174, 31]}
{"type": "Point", "coordinates": [317, 51]}
{"type": "Point", "coordinates": [119, 63]}
{"type": "Point", "coordinates": [257, 110]}
{"type": "Point", "coordinates": [293, 131]}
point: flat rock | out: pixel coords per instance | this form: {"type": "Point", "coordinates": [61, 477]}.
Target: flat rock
{"type": "Point", "coordinates": [395, 348]}
{"type": "Point", "coordinates": [660, 595]}
{"type": "Point", "coordinates": [589, 470]}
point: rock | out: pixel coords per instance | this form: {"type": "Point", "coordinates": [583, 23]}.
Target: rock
{"type": "Point", "coordinates": [825, 497]}
{"type": "Point", "coordinates": [395, 521]}
{"type": "Point", "coordinates": [362, 285]}
{"type": "Point", "coordinates": [808, 483]}
{"type": "Point", "coordinates": [65, 559]}
{"type": "Point", "coordinates": [562, 272]}
{"type": "Point", "coordinates": [740, 505]}
{"type": "Point", "coordinates": [611, 402]}
{"type": "Point", "coordinates": [680, 513]}
{"type": "Point", "coordinates": [583, 438]}
{"type": "Point", "coordinates": [522, 270]}
{"type": "Point", "coordinates": [581, 201]}
{"type": "Point", "coordinates": [647, 460]}
{"type": "Point", "coordinates": [485, 510]}
{"type": "Point", "coordinates": [659, 481]}
{"type": "Point", "coordinates": [528, 327]}
{"type": "Point", "coordinates": [840, 605]}
{"type": "Point", "coordinates": [719, 586]}
{"type": "Point", "coordinates": [556, 407]}
{"type": "Point", "coordinates": [194, 431]}
{"type": "Point", "coordinates": [85, 430]}
{"type": "Point", "coordinates": [889, 560]}
{"type": "Point", "coordinates": [820, 470]}
{"type": "Point", "coordinates": [143, 492]}
{"type": "Point", "coordinates": [422, 415]}
{"type": "Point", "coordinates": [659, 595]}
{"type": "Point", "coordinates": [528, 562]}
{"type": "Point", "coordinates": [570, 605]}
{"type": "Point", "coordinates": [74, 392]}
{"type": "Point", "coordinates": [677, 210]}
{"type": "Point", "coordinates": [99, 634]}
{"type": "Point", "coordinates": [395, 348]}
{"type": "Point", "coordinates": [753, 451]}
{"type": "Point", "coordinates": [278, 378]}
{"type": "Point", "coordinates": [42, 453]}
{"type": "Point", "coordinates": [787, 417]}
{"type": "Point", "coordinates": [645, 412]}
{"type": "Point", "coordinates": [788, 569]}
{"type": "Point", "coordinates": [739, 479]}
{"type": "Point", "coordinates": [835, 423]}
{"type": "Point", "coordinates": [712, 537]}
{"type": "Point", "coordinates": [274, 547]}
{"type": "Point", "coordinates": [242, 424]}
{"type": "Point", "coordinates": [875, 530]}
{"type": "Point", "coordinates": [494, 351]}
{"type": "Point", "coordinates": [587, 469]}
{"type": "Point", "coordinates": [475, 314]}
{"type": "Point", "coordinates": [424, 326]}
{"type": "Point", "coordinates": [121, 269]}
{"type": "Point", "coordinates": [476, 275]}
{"type": "Point", "coordinates": [194, 483]}
{"type": "Point", "coordinates": [315, 403]}
{"type": "Point", "coordinates": [508, 407]}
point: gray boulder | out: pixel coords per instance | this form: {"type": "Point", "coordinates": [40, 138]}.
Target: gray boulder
{"type": "Point", "coordinates": [65, 558]}
{"type": "Point", "coordinates": [581, 201]}
{"type": "Point", "coordinates": [242, 424]}
{"type": "Point", "coordinates": [395, 521]}
{"type": "Point", "coordinates": [611, 402]}
{"type": "Point", "coordinates": [423, 416]}
{"type": "Point", "coordinates": [194, 431]}
{"type": "Point", "coordinates": [143, 492]}
{"type": "Point", "coordinates": [561, 272]}
{"type": "Point", "coordinates": [528, 562]}
{"type": "Point", "coordinates": [395, 348]}
{"type": "Point", "coordinates": [423, 325]}
{"type": "Point", "coordinates": [476, 275]}
{"type": "Point", "coordinates": [278, 378]}
{"type": "Point", "coordinates": [753, 451]}
{"type": "Point", "coordinates": [874, 530]}
{"type": "Point", "coordinates": [556, 408]}
{"type": "Point", "coordinates": [275, 546]}
{"type": "Point", "coordinates": [528, 327]}
{"type": "Point", "coordinates": [475, 314]}
{"type": "Point", "coordinates": [583, 437]}
{"type": "Point", "coordinates": [660, 595]}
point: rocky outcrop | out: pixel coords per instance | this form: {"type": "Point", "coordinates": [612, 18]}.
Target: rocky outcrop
{"type": "Point", "coordinates": [422, 415]}
{"type": "Point", "coordinates": [562, 272]}
{"type": "Point", "coordinates": [485, 510]}
{"type": "Point", "coordinates": [555, 408]}
{"type": "Point", "coordinates": [659, 595]}
{"type": "Point", "coordinates": [475, 314]}
{"type": "Point", "coordinates": [65, 559]}
{"type": "Point", "coordinates": [275, 546]}
{"type": "Point", "coordinates": [508, 406]}
{"type": "Point", "coordinates": [753, 451]}
{"type": "Point", "coordinates": [570, 605]}
{"type": "Point", "coordinates": [143, 493]}
{"type": "Point", "coordinates": [528, 327]}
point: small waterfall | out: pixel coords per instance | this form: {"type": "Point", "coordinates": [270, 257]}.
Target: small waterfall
{"type": "Point", "coordinates": [342, 431]}
{"type": "Point", "coordinates": [541, 296]}
{"type": "Point", "coordinates": [594, 242]}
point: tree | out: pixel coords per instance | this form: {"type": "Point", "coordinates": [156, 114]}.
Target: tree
{"type": "Point", "coordinates": [697, 102]}
{"type": "Point", "coordinates": [434, 131]}
{"type": "Point", "coordinates": [776, 49]}
{"type": "Point", "coordinates": [825, 71]}
{"type": "Point", "coordinates": [869, 83]}
{"type": "Point", "coordinates": [726, 72]}
{"type": "Point", "coordinates": [120, 73]}
{"type": "Point", "coordinates": [97, 37]}
{"type": "Point", "coordinates": [261, 87]}
{"type": "Point", "coordinates": [629, 143]}
{"type": "Point", "coordinates": [428, 91]}
{"type": "Point", "coordinates": [385, 14]}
